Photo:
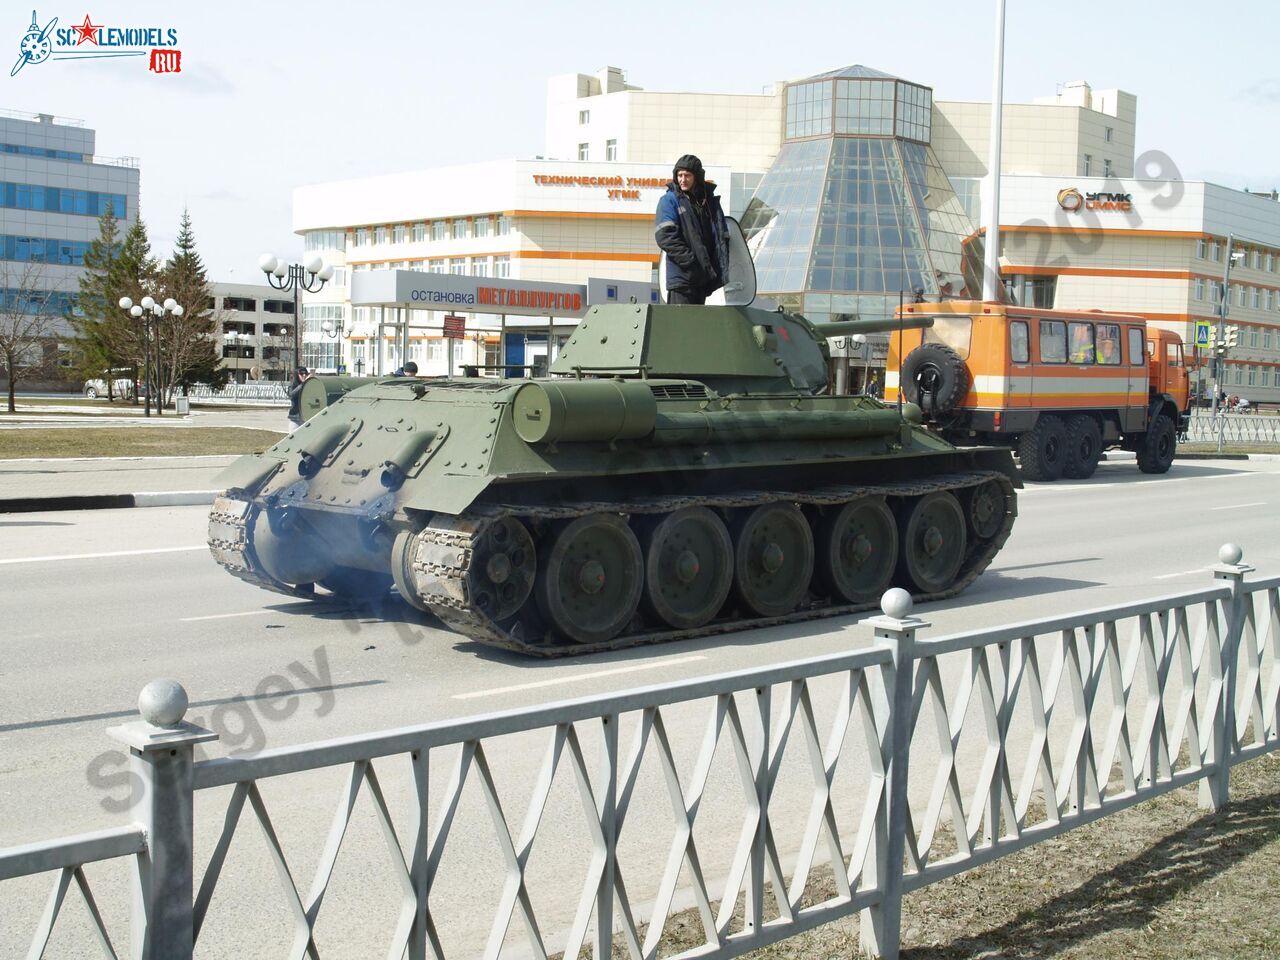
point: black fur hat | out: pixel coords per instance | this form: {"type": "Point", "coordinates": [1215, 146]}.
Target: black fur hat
{"type": "Point", "coordinates": [693, 165]}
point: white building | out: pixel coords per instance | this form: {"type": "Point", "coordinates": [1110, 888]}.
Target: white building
{"type": "Point", "coordinates": [508, 220]}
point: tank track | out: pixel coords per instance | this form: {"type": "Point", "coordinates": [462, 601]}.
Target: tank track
{"type": "Point", "coordinates": [441, 561]}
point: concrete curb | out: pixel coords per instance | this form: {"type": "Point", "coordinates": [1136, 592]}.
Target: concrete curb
{"type": "Point", "coordinates": [109, 501]}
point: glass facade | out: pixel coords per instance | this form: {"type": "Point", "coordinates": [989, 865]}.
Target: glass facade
{"type": "Point", "coordinates": [90, 203]}
{"type": "Point", "coordinates": [856, 212]}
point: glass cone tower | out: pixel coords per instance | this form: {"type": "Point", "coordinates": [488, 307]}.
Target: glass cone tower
{"type": "Point", "coordinates": [856, 212]}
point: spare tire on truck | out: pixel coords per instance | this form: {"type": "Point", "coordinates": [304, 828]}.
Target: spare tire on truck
{"type": "Point", "coordinates": [934, 378]}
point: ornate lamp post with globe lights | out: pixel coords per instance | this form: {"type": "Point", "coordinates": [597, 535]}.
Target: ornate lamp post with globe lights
{"type": "Point", "coordinates": [145, 310]}
{"type": "Point", "coordinates": [310, 277]}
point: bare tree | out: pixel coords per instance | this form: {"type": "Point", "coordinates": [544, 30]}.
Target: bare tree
{"type": "Point", "coordinates": [29, 326]}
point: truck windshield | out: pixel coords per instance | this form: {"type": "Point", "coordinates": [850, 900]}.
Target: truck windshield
{"type": "Point", "coordinates": [955, 332]}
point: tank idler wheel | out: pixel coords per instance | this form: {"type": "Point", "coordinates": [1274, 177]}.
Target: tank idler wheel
{"type": "Point", "coordinates": [589, 579]}
{"type": "Point", "coordinates": [356, 587]}
{"type": "Point", "coordinates": [932, 531]}
{"type": "Point", "coordinates": [772, 559]}
{"type": "Point", "coordinates": [987, 509]}
{"type": "Point", "coordinates": [503, 565]}
{"type": "Point", "coordinates": [403, 552]}
{"type": "Point", "coordinates": [688, 567]}
{"type": "Point", "coordinates": [857, 550]}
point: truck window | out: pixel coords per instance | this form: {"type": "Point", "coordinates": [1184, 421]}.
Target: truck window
{"type": "Point", "coordinates": [1136, 356]}
{"type": "Point", "coordinates": [1109, 343]}
{"type": "Point", "coordinates": [1174, 353]}
{"type": "Point", "coordinates": [1053, 341]}
{"type": "Point", "coordinates": [1082, 345]}
{"type": "Point", "coordinates": [955, 332]}
{"type": "Point", "coordinates": [1019, 341]}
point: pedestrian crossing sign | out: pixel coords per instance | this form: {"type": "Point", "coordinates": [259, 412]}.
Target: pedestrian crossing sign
{"type": "Point", "coordinates": [1204, 333]}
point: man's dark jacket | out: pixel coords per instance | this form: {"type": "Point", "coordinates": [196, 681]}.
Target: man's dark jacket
{"type": "Point", "coordinates": [695, 239]}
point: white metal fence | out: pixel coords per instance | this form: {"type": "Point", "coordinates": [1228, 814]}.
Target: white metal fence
{"type": "Point", "coordinates": [1235, 428]}
{"type": "Point", "coordinates": [273, 393]}
{"type": "Point", "coordinates": [913, 759]}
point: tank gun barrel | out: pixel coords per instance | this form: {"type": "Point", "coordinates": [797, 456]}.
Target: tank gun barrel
{"type": "Point", "coordinates": [846, 328]}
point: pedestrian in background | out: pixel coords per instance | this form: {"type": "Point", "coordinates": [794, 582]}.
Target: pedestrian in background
{"type": "Point", "coordinates": [690, 228]}
{"type": "Point", "coordinates": [300, 377]}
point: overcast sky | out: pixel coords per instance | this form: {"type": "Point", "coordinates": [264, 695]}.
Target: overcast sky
{"type": "Point", "coordinates": [274, 95]}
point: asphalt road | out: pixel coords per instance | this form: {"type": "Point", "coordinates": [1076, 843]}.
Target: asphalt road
{"type": "Point", "coordinates": [96, 604]}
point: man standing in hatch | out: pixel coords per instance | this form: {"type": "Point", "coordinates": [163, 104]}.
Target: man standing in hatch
{"type": "Point", "coordinates": [690, 229]}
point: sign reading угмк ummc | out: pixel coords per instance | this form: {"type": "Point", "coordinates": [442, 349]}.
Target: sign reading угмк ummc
{"type": "Point", "coordinates": [619, 188]}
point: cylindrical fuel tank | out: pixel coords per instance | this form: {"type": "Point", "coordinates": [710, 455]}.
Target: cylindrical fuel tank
{"type": "Point", "coordinates": [320, 392]}
{"type": "Point", "coordinates": [547, 411]}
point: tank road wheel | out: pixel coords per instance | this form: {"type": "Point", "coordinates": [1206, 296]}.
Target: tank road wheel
{"type": "Point", "coordinates": [1042, 449]}
{"type": "Point", "coordinates": [857, 548]}
{"type": "Point", "coordinates": [1084, 447]}
{"type": "Point", "coordinates": [1155, 454]}
{"type": "Point", "coordinates": [933, 542]}
{"type": "Point", "coordinates": [987, 509]}
{"type": "Point", "coordinates": [688, 567]}
{"type": "Point", "coordinates": [356, 587]}
{"type": "Point", "coordinates": [501, 574]}
{"type": "Point", "coordinates": [590, 574]}
{"type": "Point", "coordinates": [772, 559]}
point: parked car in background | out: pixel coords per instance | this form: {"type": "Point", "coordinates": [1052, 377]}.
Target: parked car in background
{"type": "Point", "coordinates": [122, 384]}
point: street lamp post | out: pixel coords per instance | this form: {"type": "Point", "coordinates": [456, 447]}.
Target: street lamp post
{"type": "Point", "coordinates": [146, 310]}
{"type": "Point", "coordinates": [1219, 360]}
{"type": "Point", "coordinates": [865, 345]}
{"type": "Point", "coordinates": [310, 277]}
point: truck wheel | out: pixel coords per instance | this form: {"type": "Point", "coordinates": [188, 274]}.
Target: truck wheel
{"type": "Point", "coordinates": [1084, 447]}
{"type": "Point", "coordinates": [1042, 450]}
{"type": "Point", "coordinates": [1155, 454]}
{"type": "Point", "coordinates": [934, 377]}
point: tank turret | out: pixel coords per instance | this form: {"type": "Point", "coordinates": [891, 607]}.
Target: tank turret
{"type": "Point", "coordinates": [684, 470]}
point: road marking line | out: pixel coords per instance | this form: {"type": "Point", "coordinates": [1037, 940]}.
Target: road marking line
{"type": "Point", "coordinates": [1241, 506]}
{"type": "Point", "coordinates": [224, 616]}
{"type": "Point", "coordinates": [574, 678]}
{"type": "Point", "coordinates": [1185, 573]}
{"type": "Point", "coordinates": [100, 556]}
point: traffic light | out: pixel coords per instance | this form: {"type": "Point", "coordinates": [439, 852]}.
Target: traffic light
{"type": "Point", "coordinates": [1231, 336]}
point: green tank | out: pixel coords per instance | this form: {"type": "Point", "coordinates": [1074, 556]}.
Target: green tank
{"type": "Point", "coordinates": [684, 471]}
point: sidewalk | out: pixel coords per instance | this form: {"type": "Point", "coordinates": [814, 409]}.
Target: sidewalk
{"type": "Point", "coordinates": [80, 484]}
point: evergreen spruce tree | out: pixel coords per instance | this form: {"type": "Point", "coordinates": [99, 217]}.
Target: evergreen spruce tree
{"type": "Point", "coordinates": [98, 299]}
{"type": "Point", "coordinates": [189, 344]}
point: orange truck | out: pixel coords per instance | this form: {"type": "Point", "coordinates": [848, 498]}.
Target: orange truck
{"type": "Point", "coordinates": [1058, 386]}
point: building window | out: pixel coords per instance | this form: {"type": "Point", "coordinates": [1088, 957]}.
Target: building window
{"type": "Point", "coordinates": [325, 240]}
{"type": "Point", "coordinates": [584, 151]}
{"type": "Point", "coordinates": [1253, 297]}
{"type": "Point", "coordinates": [1106, 167]}
{"type": "Point", "coordinates": [362, 237]}
{"type": "Point", "coordinates": [1240, 295]}
{"type": "Point", "coordinates": [1200, 248]}
{"type": "Point", "coordinates": [243, 303]}
{"type": "Point", "coordinates": [438, 229]}
{"type": "Point", "coordinates": [380, 235]}
{"type": "Point", "coordinates": [504, 226]}
{"type": "Point", "coordinates": [1266, 299]}
{"type": "Point", "coordinates": [584, 117]}
{"type": "Point", "coordinates": [1266, 339]}
{"type": "Point", "coordinates": [397, 233]}
{"type": "Point", "coordinates": [1215, 252]}
{"type": "Point", "coordinates": [1271, 263]}
{"type": "Point", "coordinates": [1199, 289]}
{"type": "Point", "coordinates": [419, 232]}
{"type": "Point", "coordinates": [1255, 257]}
{"type": "Point", "coordinates": [1215, 292]}
{"type": "Point", "coordinates": [1252, 376]}
{"type": "Point", "coordinates": [458, 266]}
{"type": "Point", "coordinates": [1108, 133]}
{"type": "Point", "coordinates": [1088, 163]}
{"type": "Point", "coordinates": [484, 226]}
{"type": "Point", "coordinates": [479, 266]}
{"type": "Point", "coordinates": [502, 266]}
{"type": "Point", "coordinates": [461, 228]}
{"type": "Point", "coordinates": [435, 266]}
{"type": "Point", "coordinates": [1253, 337]}
{"type": "Point", "coordinates": [435, 351]}
{"type": "Point", "coordinates": [1239, 378]}
{"type": "Point", "coordinates": [1266, 377]}
{"type": "Point", "coordinates": [611, 149]}
{"type": "Point", "coordinates": [419, 266]}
